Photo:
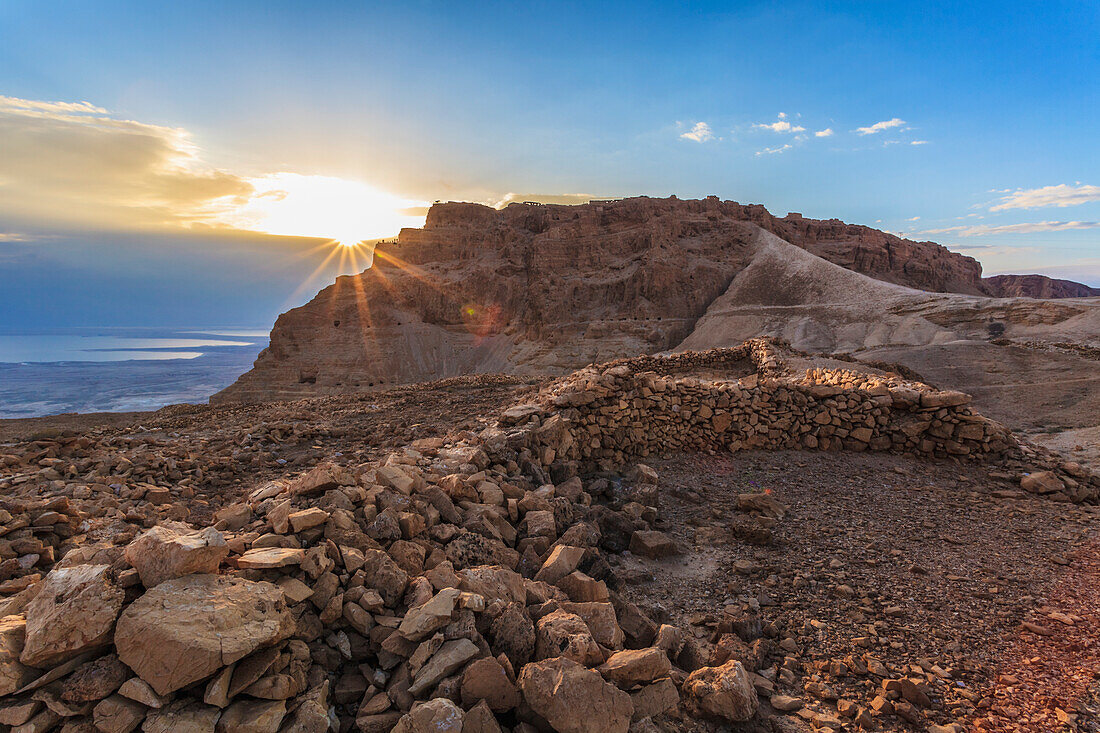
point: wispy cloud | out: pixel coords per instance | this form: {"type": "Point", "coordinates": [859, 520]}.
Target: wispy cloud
{"type": "Point", "coordinates": [1061, 196]}
{"type": "Point", "coordinates": [880, 126]}
{"type": "Point", "coordinates": [16, 237]}
{"type": "Point", "coordinates": [981, 230]}
{"type": "Point", "coordinates": [773, 151]}
{"type": "Point", "coordinates": [700, 133]}
{"type": "Point", "coordinates": [827, 132]}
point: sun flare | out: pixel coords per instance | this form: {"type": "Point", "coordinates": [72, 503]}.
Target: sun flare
{"type": "Point", "coordinates": [348, 212]}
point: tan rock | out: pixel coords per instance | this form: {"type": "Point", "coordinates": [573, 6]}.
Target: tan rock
{"type": "Point", "coordinates": [307, 519]}
{"type": "Point", "coordinates": [562, 560]}
{"type": "Point", "coordinates": [652, 544]}
{"type": "Point", "coordinates": [182, 716]}
{"type": "Point", "coordinates": [13, 673]}
{"type": "Point", "coordinates": [322, 478]}
{"type": "Point", "coordinates": [450, 658]}
{"type": "Point", "coordinates": [635, 666]}
{"type": "Point", "coordinates": [165, 552]}
{"type": "Point", "coordinates": [564, 634]}
{"type": "Point", "coordinates": [422, 621]}
{"type": "Point", "coordinates": [118, 714]}
{"type": "Point", "coordinates": [601, 621]}
{"type": "Point", "coordinates": [574, 699]}
{"type": "Point", "coordinates": [138, 690]}
{"type": "Point", "coordinates": [266, 558]}
{"type": "Point", "coordinates": [74, 612]}
{"type": "Point", "coordinates": [654, 699]}
{"type": "Point", "coordinates": [1041, 482]}
{"type": "Point", "coordinates": [186, 629]}
{"type": "Point", "coordinates": [485, 680]}
{"type": "Point", "coordinates": [723, 692]}
{"type": "Point", "coordinates": [480, 719]}
{"type": "Point", "coordinates": [252, 716]}
{"type": "Point", "coordinates": [434, 716]}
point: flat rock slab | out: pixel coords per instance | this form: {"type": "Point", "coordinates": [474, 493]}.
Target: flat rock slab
{"type": "Point", "coordinates": [186, 629]}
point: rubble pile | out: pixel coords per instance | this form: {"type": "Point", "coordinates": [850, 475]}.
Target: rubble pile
{"type": "Point", "coordinates": [457, 584]}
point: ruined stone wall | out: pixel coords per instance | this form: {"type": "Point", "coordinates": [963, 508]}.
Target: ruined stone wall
{"type": "Point", "coordinates": [746, 397]}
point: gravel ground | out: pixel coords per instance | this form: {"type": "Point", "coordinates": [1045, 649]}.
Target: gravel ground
{"type": "Point", "coordinates": [927, 563]}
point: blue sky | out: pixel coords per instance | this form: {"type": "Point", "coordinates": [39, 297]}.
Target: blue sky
{"type": "Point", "coordinates": [978, 131]}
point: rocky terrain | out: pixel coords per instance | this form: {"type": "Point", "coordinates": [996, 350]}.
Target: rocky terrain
{"type": "Point", "coordinates": [545, 289]}
{"type": "Point", "coordinates": [749, 538]}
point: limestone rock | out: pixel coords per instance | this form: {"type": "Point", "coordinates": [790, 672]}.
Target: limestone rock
{"type": "Point", "coordinates": [723, 692]}
{"type": "Point", "coordinates": [164, 552]}
{"type": "Point", "coordinates": [13, 673]}
{"type": "Point", "coordinates": [564, 634]}
{"type": "Point", "coordinates": [186, 629]}
{"type": "Point", "coordinates": [252, 716]}
{"type": "Point", "coordinates": [182, 716]}
{"type": "Point", "coordinates": [118, 714]}
{"type": "Point", "coordinates": [574, 699]}
{"type": "Point", "coordinates": [485, 680]}
{"type": "Point", "coordinates": [73, 612]}
{"type": "Point", "coordinates": [631, 667]}
{"type": "Point", "coordinates": [439, 715]}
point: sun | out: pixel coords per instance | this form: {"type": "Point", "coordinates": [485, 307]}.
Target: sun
{"type": "Point", "coordinates": [347, 212]}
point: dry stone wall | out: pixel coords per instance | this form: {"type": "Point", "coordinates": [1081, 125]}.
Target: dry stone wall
{"type": "Point", "coordinates": [746, 397]}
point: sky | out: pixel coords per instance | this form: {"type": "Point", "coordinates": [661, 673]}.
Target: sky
{"type": "Point", "coordinates": [187, 164]}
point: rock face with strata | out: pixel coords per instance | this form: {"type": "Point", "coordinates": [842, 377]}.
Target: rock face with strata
{"type": "Point", "coordinates": [544, 289]}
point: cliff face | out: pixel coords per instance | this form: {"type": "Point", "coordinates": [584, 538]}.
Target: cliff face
{"type": "Point", "coordinates": [547, 288]}
{"type": "Point", "coordinates": [1036, 286]}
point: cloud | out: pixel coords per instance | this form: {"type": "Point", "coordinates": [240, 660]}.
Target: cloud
{"type": "Point", "coordinates": [781, 125]}
{"type": "Point", "coordinates": [982, 230]}
{"type": "Point", "coordinates": [827, 132]}
{"type": "Point", "coordinates": [880, 126]}
{"type": "Point", "coordinates": [773, 151]}
{"type": "Point", "coordinates": [1060, 196]}
{"type": "Point", "coordinates": [700, 133]}
{"type": "Point", "coordinates": [918, 142]}
{"type": "Point", "coordinates": [913, 218]}
{"type": "Point", "coordinates": [17, 237]}
{"type": "Point", "coordinates": [73, 164]}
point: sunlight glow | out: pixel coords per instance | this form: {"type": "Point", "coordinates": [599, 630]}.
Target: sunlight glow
{"type": "Point", "coordinates": [349, 212]}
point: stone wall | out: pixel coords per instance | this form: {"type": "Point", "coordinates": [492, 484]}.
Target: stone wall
{"type": "Point", "coordinates": [628, 410]}
{"type": "Point", "coordinates": [606, 417]}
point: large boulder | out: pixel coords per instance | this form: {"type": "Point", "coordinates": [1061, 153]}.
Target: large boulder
{"type": "Point", "coordinates": [166, 552]}
{"type": "Point", "coordinates": [73, 612]}
{"type": "Point", "coordinates": [573, 699]}
{"type": "Point", "coordinates": [723, 692]}
{"type": "Point", "coordinates": [187, 628]}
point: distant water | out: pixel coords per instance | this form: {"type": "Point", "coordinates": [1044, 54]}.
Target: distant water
{"type": "Point", "coordinates": [119, 369]}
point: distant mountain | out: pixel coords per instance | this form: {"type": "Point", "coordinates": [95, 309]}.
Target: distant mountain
{"type": "Point", "coordinates": [545, 289]}
{"type": "Point", "coordinates": [1036, 286]}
